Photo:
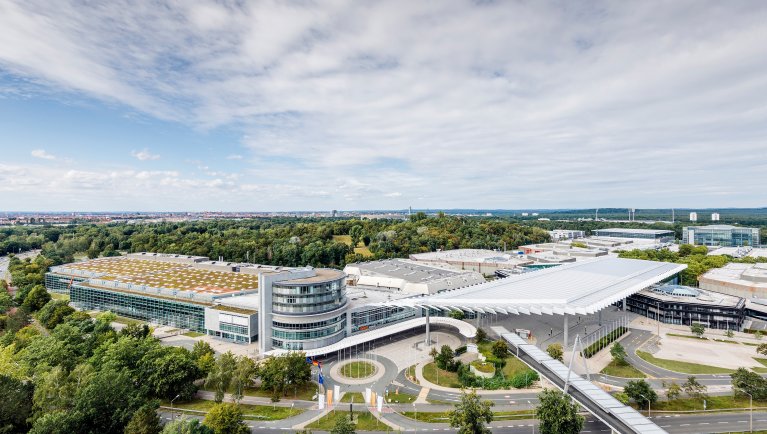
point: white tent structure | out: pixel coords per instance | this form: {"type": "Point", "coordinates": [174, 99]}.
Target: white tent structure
{"type": "Point", "coordinates": [579, 288]}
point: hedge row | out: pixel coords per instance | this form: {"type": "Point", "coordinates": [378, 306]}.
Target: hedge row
{"type": "Point", "coordinates": [604, 342]}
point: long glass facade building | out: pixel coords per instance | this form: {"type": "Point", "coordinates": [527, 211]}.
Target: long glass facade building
{"type": "Point", "coordinates": [721, 236]}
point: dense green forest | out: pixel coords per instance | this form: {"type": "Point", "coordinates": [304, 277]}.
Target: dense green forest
{"type": "Point", "coordinates": [278, 241]}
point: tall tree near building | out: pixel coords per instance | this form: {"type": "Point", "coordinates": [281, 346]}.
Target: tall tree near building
{"type": "Point", "coordinates": [471, 415]}
{"type": "Point", "coordinates": [558, 414]}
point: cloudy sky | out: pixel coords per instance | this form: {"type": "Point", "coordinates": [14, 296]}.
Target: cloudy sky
{"type": "Point", "coordinates": [286, 105]}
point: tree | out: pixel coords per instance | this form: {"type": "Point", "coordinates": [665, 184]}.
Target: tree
{"type": "Point", "coordinates": [697, 329]}
{"type": "Point", "coordinates": [186, 426]}
{"type": "Point", "coordinates": [444, 359]}
{"type": "Point", "coordinates": [744, 380]}
{"type": "Point", "coordinates": [15, 405]}
{"type": "Point", "coordinates": [457, 314]}
{"type": "Point", "coordinates": [758, 335]}
{"type": "Point", "coordinates": [673, 391]}
{"type": "Point", "coordinates": [204, 357]}
{"type": "Point", "coordinates": [641, 392]}
{"type": "Point", "coordinates": [729, 333]}
{"type": "Point", "coordinates": [356, 234]}
{"type": "Point", "coordinates": [618, 353]}
{"type": "Point", "coordinates": [108, 402]}
{"type": "Point", "coordinates": [622, 398]}
{"type": "Point", "coordinates": [226, 418]}
{"type": "Point", "coordinates": [145, 420]}
{"type": "Point", "coordinates": [138, 331]}
{"type": "Point", "coordinates": [5, 301]}
{"type": "Point", "coordinates": [471, 414]}
{"type": "Point", "coordinates": [500, 349]}
{"type": "Point", "coordinates": [762, 349]}
{"type": "Point", "coordinates": [244, 371]}
{"type": "Point", "coordinates": [170, 371]}
{"type": "Point", "coordinates": [555, 351]}
{"type": "Point", "coordinates": [558, 414]}
{"type": "Point", "coordinates": [693, 388]}
{"type": "Point", "coordinates": [481, 335]}
{"type": "Point", "coordinates": [36, 299]}
{"type": "Point", "coordinates": [220, 376]}
{"type": "Point", "coordinates": [344, 425]}
{"type": "Point", "coordinates": [54, 313]}
{"type": "Point", "coordinates": [57, 422]}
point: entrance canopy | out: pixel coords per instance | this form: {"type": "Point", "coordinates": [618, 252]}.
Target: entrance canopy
{"type": "Point", "coordinates": [580, 288]}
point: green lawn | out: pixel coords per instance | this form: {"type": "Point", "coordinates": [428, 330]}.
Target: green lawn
{"type": "Point", "coordinates": [363, 420]}
{"type": "Point", "coordinates": [622, 370]}
{"type": "Point", "coordinates": [256, 412]}
{"type": "Point", "coordinates": [364, 251]}
{"type": "Point", "coordinates": [712, 403]}
{"type": "Point", "coordinates": [483, 366]}
{"type": "Point", "coordinates": [353, 397]}
{"type": "Point", "coordinates": [401, 398]}
{"type": "Point", "coordinates": [682, 367]}
{"type": "Point", "coordinates": [443, 417]}
{"type": "Point", "coordinates": [513, 364]}
{"type": "Point", "coordinates": [686, 336]}
{"type": "Point", "coordinates": [306, 393]}
{"type": "Point", "coordinates": [727, 341]}
{"type": "Point", "coordinates": [57, 296]}
{"type": "Point", "coordinates": [358, 370]}
{"type": "Point", "coordinates": [343, 239]}
{"type": "Point", "coordinates": [359, 248]}
{"type": "Point", "coordinates": [193, 334]}
{"type": "Point", "coordinates": [440, 377]}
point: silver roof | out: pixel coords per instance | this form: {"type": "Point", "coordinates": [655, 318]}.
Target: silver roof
{"type": "Point", "coordinates": [578, 288]}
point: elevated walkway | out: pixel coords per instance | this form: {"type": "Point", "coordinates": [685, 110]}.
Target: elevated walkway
{"type": "Point", "coordinates": [464, 328]}
{"type": "Point", "coordinates": [620, 418]}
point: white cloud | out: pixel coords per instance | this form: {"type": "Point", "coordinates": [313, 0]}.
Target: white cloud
{"type": "Point", "coordinates": [463, 104]}
{"type": "Point", "coordinates": [43, 154]}
{"type": "Point", "coordinates": [234, 157]}
{"type": "Point", "coordinates": [145, 155]}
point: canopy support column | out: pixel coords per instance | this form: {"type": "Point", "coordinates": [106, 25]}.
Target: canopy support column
{"type": "Point", "coordinates": [428, 335]}
{"type": "Point", "coordinates": [564, 345]}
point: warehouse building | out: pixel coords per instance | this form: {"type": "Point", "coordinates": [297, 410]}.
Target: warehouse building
{"type": "Point", "coordinates": [409, 277]}
{"type": "Point", "coordinates": [741, 280]}
{"type": "Point", "coordinates": [483, 261]}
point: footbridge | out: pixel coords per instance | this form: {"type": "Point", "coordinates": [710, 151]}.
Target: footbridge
{"type": "Point", "coordinates": [620, 418]}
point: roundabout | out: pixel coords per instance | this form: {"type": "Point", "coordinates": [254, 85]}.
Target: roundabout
{"type": "Point", "coordinates": [357, 371]}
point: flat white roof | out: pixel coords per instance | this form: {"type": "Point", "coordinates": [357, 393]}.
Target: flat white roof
{"type": "Point", "coordinates": [636, 231]}
{"type": "Point", "coordinates": [577, 288]}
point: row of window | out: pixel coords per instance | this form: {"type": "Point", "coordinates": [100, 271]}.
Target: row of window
{"type": "Point", "coordinates": [307, 299]}
{"type": "Point", "coordinates": [242, 330]}
{"type": "Point", "coordinates": [309, 325]}
{"type": "Point", "coordinates": [309, 289]}
{"type": "Point", "coordinates": [308, 308]}
{"type": "Point", "coordinates": [156, 310]}
{"type": "Point", "coordinates": [310, 334]}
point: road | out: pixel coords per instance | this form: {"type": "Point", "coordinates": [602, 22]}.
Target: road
{"type": "Point", "coordinates": [5, 259]}
{"type": "Point", "coordinates": [675, 424]}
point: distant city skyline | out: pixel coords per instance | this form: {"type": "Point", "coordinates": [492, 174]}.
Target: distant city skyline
{"type": "Point", "coordinates": [281, 106]}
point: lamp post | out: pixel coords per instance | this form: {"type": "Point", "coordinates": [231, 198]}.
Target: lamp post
{"type": "Point", "coordinates": [649, 410]}
{"type": "Point", "coordinates": [172, 414]}
{"type": "Point", "coordinates": [751, 411]}
{"type": "Point", "coordinates": [416, 416]}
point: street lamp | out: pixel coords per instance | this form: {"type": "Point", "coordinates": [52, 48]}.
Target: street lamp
{"type": "Point", "coordinates": [751, 415]}
{"type": "Point", "coordinates": [416, 416]}
{"type": "Point", "coordinates": [649, 410]}
{"type": "Point", "coordinates": [172, 414]}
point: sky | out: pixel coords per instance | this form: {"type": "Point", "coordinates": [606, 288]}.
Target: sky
{"type": "Point", "coordinates": [319, 105]}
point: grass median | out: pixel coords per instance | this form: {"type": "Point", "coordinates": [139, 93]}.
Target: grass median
{"type": "Point", "coordinates": [624, 370]}
{"type": "Point", "coordinates": [363, 421]}
{"type": "Point", "coordinates": [682, 367]}
{"type": "Point", "coordinates": [249, 411]}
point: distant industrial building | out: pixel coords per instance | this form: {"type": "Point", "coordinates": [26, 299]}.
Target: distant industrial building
{"type": "Point", "coordinates": [683, 305]}
{"type": "Point", "coordinates": [693, 216]}
{"type": "Point", "coordinates": [740, 252]}
{"type": "Point", "coordinates": [566, 234]}
{"type": "Point", "coordinates": [482, 261]}
{"type": "Point", "coordinates": [715, 217]}
{"type": "Point", "coordinates": [720, 236]}
{"type": "Point", "coordinates": [657, 235]}
{"type": "Point", "coordinates": [409, 277]}
{"type": "Point", "coordinates": [741, 280]}
{"type": "Point", "coordinates": [559, 252]}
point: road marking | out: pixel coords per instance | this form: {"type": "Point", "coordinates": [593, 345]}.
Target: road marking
{"type": "Point", "coordinates": [723, 422]}
{"type": "Point", "coordinates": [704, 423]}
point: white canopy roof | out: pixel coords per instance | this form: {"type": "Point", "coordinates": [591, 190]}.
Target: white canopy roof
{"type": "Point", "coordinates": [578, 288]}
